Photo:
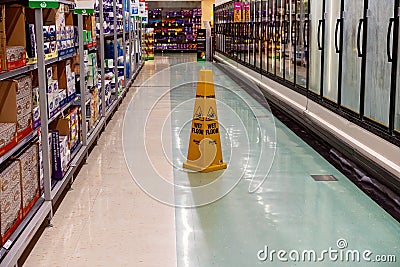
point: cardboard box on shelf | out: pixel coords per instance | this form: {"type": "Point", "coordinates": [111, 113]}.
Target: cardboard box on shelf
{"type": "Point", "coordinates": [62, 133]}
{"type": "Point", "coordinates": [8, 137]}
{"type": "Point", "coordinates": [24, 85]}
{"type": "Point", "coordinates": [62, 93]}
{"type": "Point", "coordinates": [9, 107]}
{"type": "Point", "coordinates": [29, 179]}
{"type": "Point", "coordinates": [36, 117]}
{"type": "Point", "coordinates": [24, 124]}
{"type": "Point", "coordinates": [15, 57]}
{"type": "Point", "coordinates": [57, 172]}
{"type": "Point", "coordinates": [13, 37]}
{"type": "Point", "coordinates": [31, 47]}
{"type": "Point", "coordinates": [10, 200]}
{"type": "Point", "coordinates": [24, 105]}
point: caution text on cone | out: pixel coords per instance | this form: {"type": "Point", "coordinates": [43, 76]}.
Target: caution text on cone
{"type": "Point", "coordinates": [205, 153]}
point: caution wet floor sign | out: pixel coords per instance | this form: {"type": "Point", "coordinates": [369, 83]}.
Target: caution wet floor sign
{"type": "Point", "coordinates": [205, 153]}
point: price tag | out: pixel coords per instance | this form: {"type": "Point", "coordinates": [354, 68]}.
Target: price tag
{"type": "Point", "coordinates": [8, 244]}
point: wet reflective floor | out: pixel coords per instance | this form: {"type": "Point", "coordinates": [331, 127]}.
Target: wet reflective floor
{"type": "Point", "coordinates": [143, 209]}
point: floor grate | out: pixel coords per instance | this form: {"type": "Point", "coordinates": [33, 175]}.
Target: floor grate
{"type": "Point", "coordinates": [324, 178]}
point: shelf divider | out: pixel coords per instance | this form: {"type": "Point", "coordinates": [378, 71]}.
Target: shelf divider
{"type": "Point", "coordinates": [44, 120]}
{"type": "Point", "coordinates": [82, 81]}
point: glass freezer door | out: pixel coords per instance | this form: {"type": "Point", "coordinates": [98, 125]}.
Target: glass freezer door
{"type": "Point", "coordinates": [331, 50]}
{"type": "Point", "coordinates": [264, 36]}
{"type": "Point", "coordinates": [291, 29]}
{"type": "Point", "coordinates": [280, 38]}
{"type": "Point", "coordinates": [316, 44]}
{"type": "Point", "coordinates": [271, 36]}
{"type": "Point", "coordinates": [379, 56]}
{"type": "Point", "coordinates": [301, 57]}
{"type": "Point", "coordinates": [353, 23]}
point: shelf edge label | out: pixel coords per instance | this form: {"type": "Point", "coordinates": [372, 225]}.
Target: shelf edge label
{"type": "Point", "coordinates": [84, 7]}
{"type": "Point", "coordinates": [43, 4]}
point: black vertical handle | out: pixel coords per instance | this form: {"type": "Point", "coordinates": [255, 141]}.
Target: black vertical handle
{"type": "Point", "coordinates": [389, 54]}
{"type": "Point", "coordinates": [305, 38]}
{"type": "Point", "coordinates": [285, 32]}
{"type": "Point", "coordinates": [264, 31]}
{"type": "Point", "coordinates": [293, 33]}
{"type": "Point", "coordinates": [338, 22]}
{"type": "Point", "coordinates": [270, 33]}
{"type": "Point", "coordinates": [360, 24]}
{"type": "Point", "coordinates": [275, 32]}
{"type": "Point", "coordinates": [321, 21]}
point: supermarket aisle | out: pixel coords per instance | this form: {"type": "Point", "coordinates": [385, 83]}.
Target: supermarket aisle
{"type": "Point", "coordinates": [107, 218]}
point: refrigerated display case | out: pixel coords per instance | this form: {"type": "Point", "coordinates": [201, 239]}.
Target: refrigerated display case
{"type": "Point", "coordinates": [341, 54]}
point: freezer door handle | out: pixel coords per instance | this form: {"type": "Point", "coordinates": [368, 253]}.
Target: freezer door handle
{"type": "Point", "coordinates": [320, 23]}
{"type": "Point", "coordinates": [305, 37]}
{"type": "Point", "coordinates": [294, 33]}
{"type": "Point", "coordinates": [360, 24]}
{"type": "Point", "coordinates": [274, 31]}
{"type": "Point", "coordinates": [338, 22]}
{"type": "Point", "coordinates": [389, 38]}
{"type": "Point", "coordinates": [284, 32]}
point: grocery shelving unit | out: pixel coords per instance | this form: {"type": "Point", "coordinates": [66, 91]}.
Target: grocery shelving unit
{"type": "Point", "coordinates": [42, 210]}
{"type": "Point", "coordinates": [175, 30]}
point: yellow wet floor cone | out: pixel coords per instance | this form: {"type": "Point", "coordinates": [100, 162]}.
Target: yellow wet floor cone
{"type": "Point", "coordinates": [205, 153]}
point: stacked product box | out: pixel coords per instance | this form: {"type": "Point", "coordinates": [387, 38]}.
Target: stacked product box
{"type": "Point", "coordinates": [65, 33]}
{"type": "Point", "coordinates": [12, 37]}
{"type": "Point", "coordinates": [74, 136]}
{"type": "Point", "coordinates": [92, 71]}
{"type": "Point", "coordinates": [99, 93]}
{"type": "Point", "coordinates": [24, 103]}
{"type": "Point", "coordinates": [53, 96]}
{"type": "Point", "coordinates": [10, 199]}
{"type": "Point", "coordinates": [61, 154]}
{"type": "Point", "coordinates": [107, 89]}
{"type": "Point", "coordinates": [109, 63]}
{"type": "Point", "coordinates": [35, 108]}
{"type": "Point", "coordinates": [29, 177]}
{"type": "Point", "coordinates": [109, 17]}
{"type": "Point", "coordinates": [17, 97]}
{"type": "Point", "coordinates": [108, 14]}
{"type": "Point", "coordinates": [31, 47]}
{"type": "Point", "coordinates": [50, 41]}
{"type": "Point", "coordinates": [8, 137]}
{"type": "Point", "coordinates": [15, 57]}
{"type": "Point", "coordinates": [65, 153]}
{"type": "Point", "coordinates": [66, 83]}
{"type": "Point", "coordinates": [71, 82]}
{"type": "Point", "coordinates": [120, 17]}
{"type": "Point", "coordinates": [94, 107]}
{"type": "Point", "coordinates": [120, 64]}
{"type": "Point", "coordinates": [89, 32]}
